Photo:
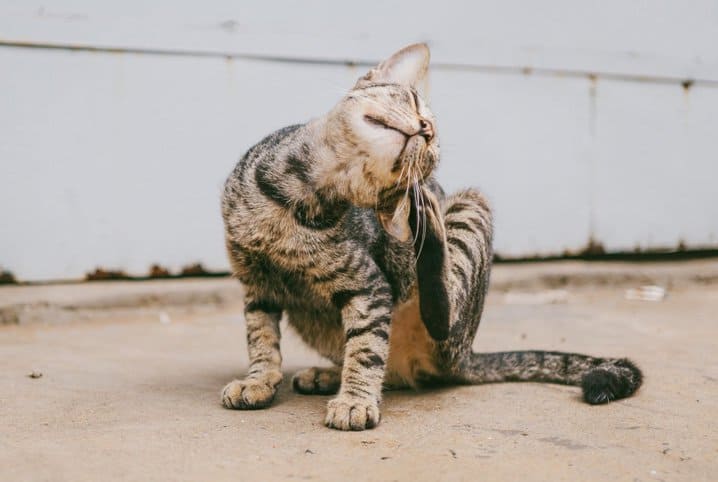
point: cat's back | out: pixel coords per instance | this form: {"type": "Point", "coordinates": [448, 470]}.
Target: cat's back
{"type": "Point", "coordinates": [255, 206]}
{"type": "Point", "coordinates": [264, 155]}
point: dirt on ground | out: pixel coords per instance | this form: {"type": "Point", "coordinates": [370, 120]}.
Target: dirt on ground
{"type": "Point", "coordinates": [92, 388]}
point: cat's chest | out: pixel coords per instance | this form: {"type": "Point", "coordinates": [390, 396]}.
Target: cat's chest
{"type": "Point", "coordinates": [292, 288]}
{"type": "Point", "coordinates": [305, 282]}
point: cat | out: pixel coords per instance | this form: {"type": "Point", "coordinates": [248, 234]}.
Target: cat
{"type": "Point", "coordinates": [340, 224]}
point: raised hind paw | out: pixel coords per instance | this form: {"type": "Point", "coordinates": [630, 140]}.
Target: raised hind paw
{"type": "Point", "coordinates": [427, 224]}
{"type": "Point", "coordinates": [352, 413]}
{"type": "Point", "coordinates": [251, 393]}
{"type": "Point", "coordinates": [317, 381]}
{"type": "Point", "coordinates": [611, 381]}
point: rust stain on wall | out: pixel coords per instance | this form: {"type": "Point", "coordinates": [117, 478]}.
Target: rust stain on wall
{"type": "Point", "coordinates": [157, 271]}
{"type": "Point", "coordinates": [101, 274]}
{"type": "Point", "coordinates": [195, 269]}
{"type": "Point", "coordinates": [7, 278]}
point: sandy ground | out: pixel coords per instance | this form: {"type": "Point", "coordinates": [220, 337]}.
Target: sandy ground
{"type": "Point", "coordinates": [135, 396]}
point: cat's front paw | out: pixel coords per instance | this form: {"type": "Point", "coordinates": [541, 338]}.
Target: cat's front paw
{"type": "Point", "coordinates": [250, 393]}
{"type": "Point", "coordinates": [352, 413]}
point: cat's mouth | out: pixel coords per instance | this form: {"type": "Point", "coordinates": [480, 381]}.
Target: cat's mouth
{"type": "Point", "coordinates": [415, 162]}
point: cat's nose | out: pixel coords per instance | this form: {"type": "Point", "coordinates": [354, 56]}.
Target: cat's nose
{"type": "Point", "coordinates": [426, 129]}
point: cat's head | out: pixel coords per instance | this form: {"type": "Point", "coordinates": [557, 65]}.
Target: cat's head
{"type": "Point", "coordinates": [382, 131]}
{"type": "Point", "coordinates": [384, 138]}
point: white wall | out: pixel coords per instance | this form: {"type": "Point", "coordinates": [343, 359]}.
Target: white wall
{"type": "Point", "coordinates": [569, 114]}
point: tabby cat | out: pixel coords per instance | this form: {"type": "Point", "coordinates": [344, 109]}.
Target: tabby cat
{"type": "Point", "coordinates": [339, 225]}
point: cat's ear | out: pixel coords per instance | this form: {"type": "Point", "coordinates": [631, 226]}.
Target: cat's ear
{"type": "Point", "coordinates": [407, 67]}
{"type": "Point", "coordinates": [396, 222]}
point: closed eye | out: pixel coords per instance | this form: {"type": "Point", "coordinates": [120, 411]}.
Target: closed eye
{"type": "Point", "coordinates": [376, 122]}
{"type": "Point", "coordinates": [380, 123]}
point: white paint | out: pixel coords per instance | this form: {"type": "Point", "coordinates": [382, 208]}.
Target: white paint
{"type": "Point", "coordinates": [117, 160]}
{"type": "Point", "coordinates": [656, 173]}
{"type": "Point", "coordinates": [656, 37]}
{"type": "Point", "coordinates": [530, 158]}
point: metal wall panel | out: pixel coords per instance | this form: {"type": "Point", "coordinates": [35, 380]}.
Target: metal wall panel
{"type": "Point", "coordinates": [656, 166]}
{"type": "Point", "coordinates": [118, 160]}
{"type": "Point", "coordinates": [637, 37]}
{"type": "Point", "coordinates": [571, 117]}
{"type": "Point", "coordinates": [524, 140]}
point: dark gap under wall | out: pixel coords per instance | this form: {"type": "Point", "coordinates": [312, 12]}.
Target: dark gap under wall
{"type": "Point", "coordinates": [594, 251]}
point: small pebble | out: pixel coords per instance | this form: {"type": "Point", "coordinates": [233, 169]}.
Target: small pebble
{"type": "Point", "coordinates": [35, 374]}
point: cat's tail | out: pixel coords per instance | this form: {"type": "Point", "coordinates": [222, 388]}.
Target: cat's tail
{"type": "Point", "coordinates": [602, 379]}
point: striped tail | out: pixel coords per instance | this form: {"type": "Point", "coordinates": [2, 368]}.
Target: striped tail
{"type": "Point", "coordinates": [602, 379]}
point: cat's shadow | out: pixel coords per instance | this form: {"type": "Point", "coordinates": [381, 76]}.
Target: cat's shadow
{"type": "Point", "coordinates": [206, 385]}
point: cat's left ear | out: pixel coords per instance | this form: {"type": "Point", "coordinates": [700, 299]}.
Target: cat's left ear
{"type": "Point", "coordinates": [407, 67]}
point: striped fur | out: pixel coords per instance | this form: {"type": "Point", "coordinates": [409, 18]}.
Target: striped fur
{"type": "Point", "coordinates": [316, 220]}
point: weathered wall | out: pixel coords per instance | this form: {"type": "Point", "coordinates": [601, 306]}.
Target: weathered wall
{"type": "Point", "coordinates": [579, 119]}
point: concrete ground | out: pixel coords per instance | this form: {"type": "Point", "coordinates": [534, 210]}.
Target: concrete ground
{"type": "Point", "coordinates": [131, 374]}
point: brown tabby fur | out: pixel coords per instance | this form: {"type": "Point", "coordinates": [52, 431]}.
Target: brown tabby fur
{"type": "Point", "coordinates": [339, 224]}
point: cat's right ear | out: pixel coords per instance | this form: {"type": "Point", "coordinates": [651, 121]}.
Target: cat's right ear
{"type": "Point", "coordinates": [407, 67]}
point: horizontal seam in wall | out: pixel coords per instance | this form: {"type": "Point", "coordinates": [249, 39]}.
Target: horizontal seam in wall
{"type": "Point", "coordinates": [686, 82]}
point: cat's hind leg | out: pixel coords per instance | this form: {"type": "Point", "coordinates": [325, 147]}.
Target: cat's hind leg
{"type": "Point", "coordinates": [453, 251]}
{"type": "Point", "coordinates": [467, 225]}
{"type": "Point", "coordinates": [318, 380]}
